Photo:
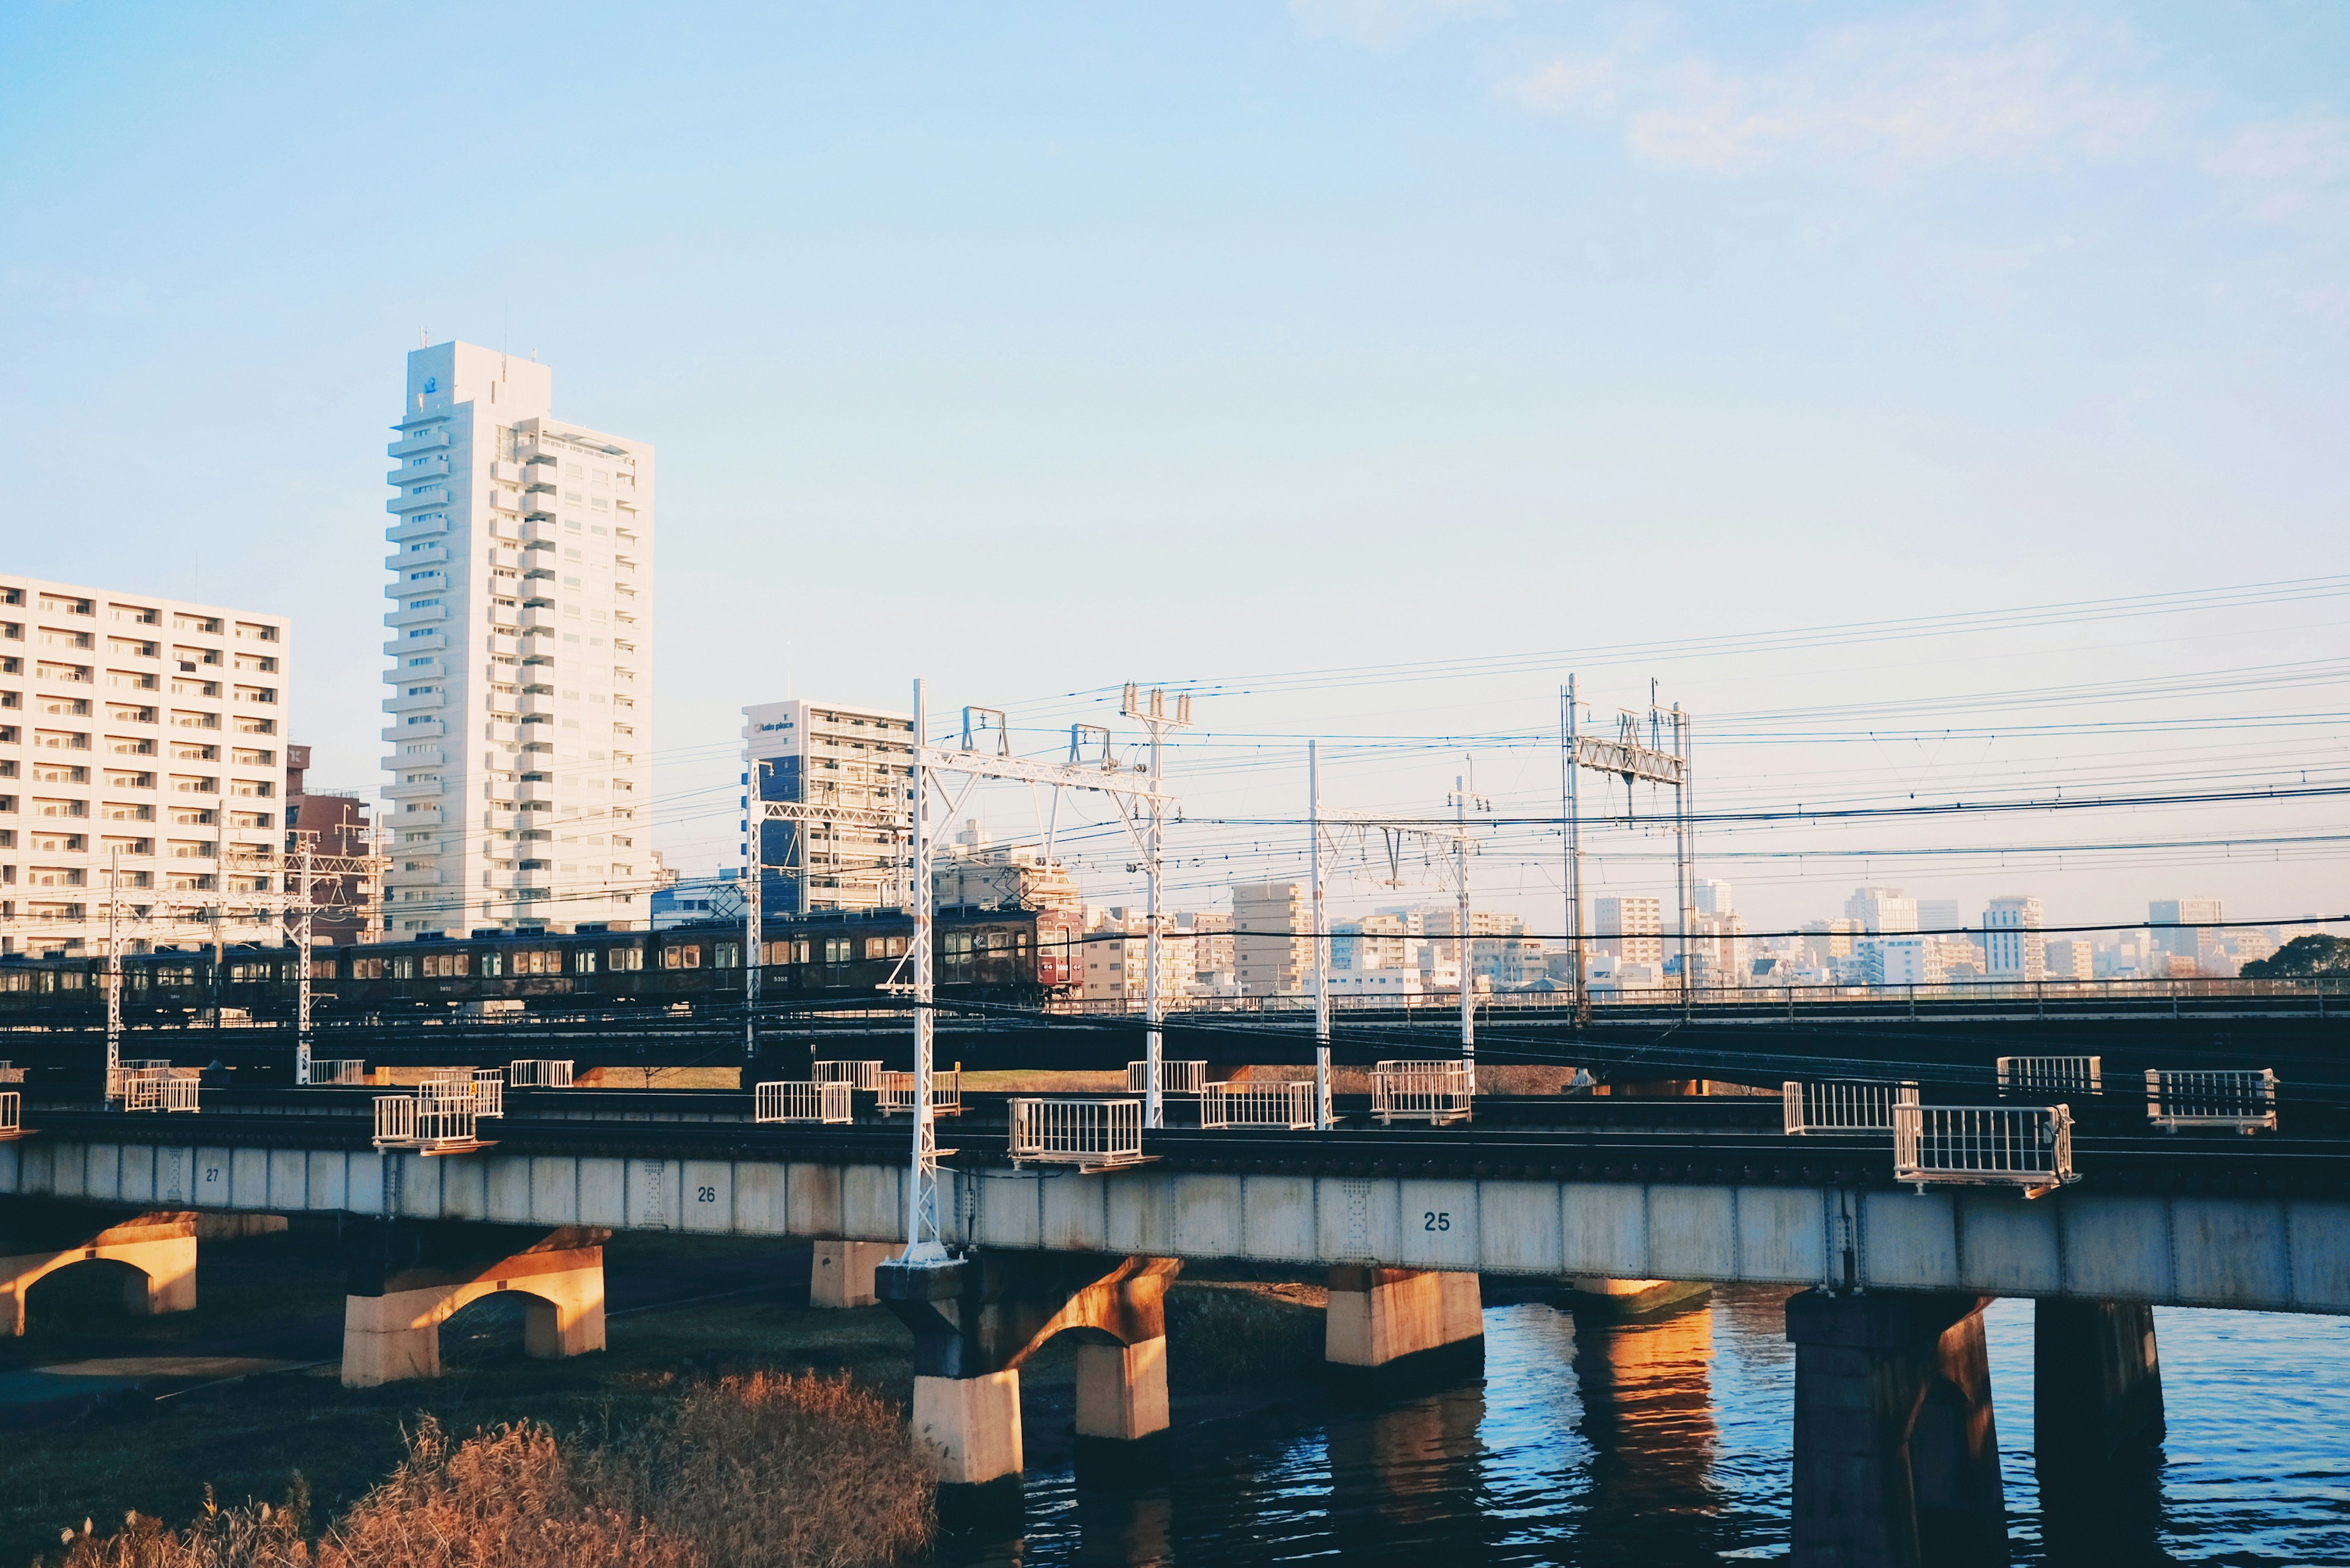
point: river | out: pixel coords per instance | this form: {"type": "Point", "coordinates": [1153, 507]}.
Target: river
{"type": "Point", "coordinates": [1666, 1442]}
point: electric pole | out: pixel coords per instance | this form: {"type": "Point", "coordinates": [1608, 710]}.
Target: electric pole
{"type": "Point", "coordinates": [1154, 719]}
{"type": "Point", "coordinates": [1321, 937]}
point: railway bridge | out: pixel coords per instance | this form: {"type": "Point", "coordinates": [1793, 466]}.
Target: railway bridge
{"type": "Point", "coordinates": [1894, 1442]}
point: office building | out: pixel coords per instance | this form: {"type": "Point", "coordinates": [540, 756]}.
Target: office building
{"type": "Point", "coordinates": [1711, 896]}
{"type": "Point", "coordinates": [2187, 929]}
{"type": "Point", "coordinates": [1629, 931]}
{"type": "Point", "coordinates": [142, 765]}
{"type": "Point", "coordinates": [2013, 948]}
{"type": "Point", "coordinates": [1903, 960]}
{"type": "Point", "coordinates": [1939, 915]}
{"type": "Point", "coordinates": [832, 755]}
{"type": "Point", "coordinates": [521, 643]}
{"type": "Point", "coordinates": [2071, 959]}
{"type": "Point", "coordinates": [1273, 937]}
{"type": "Point", "coordinates": [1882, 909]}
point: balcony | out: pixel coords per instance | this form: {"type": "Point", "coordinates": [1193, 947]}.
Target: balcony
{"type": "Point", "coordinates": [507, 473]}
{"type": "Point", "coordinates": [430, 642]}
{"type": "Point", "coordinates": [539, 503]}
{"type": "Point", "coordinates": [421, 878]}
{"type": "Point", "coordinates": [414, 816]}
{"type": "Point", "coordinates": [430, 757]}
{"type": "Point", "coordinates": [496, 821]}
{"type": "Point", "coordinates": [400, 532]}
{"type": "Point", "coordinates": [501, 643]}
{"type": "Point", "coordinates": [535, 703]}
{"type": "Point", "coordinates": [421, 440]}
{"type": "Point", "coordinates": [542, 531]}
{"type": "Point", "coordinates": [419, 617]}
{"type": "Point", "coordinates": [431, 729]}
{"type": "Point", "coordinates": [507, 557]}
{"type": "Point", "coordinates": [503, 881]}
{"type": "Point", "coordinates": [431, 468]}
{"type": "Point", "coordinates": [410, 559]}
{"type": "Point", "coordinates": [404, 703]}
{"type": "Point", "coordinates": [431, 669]}
{"type": "Point", "coordinates": [534, 791]}
{"type": "Point", "coordinates": [507, 734]}
{"type": "Point", "coordinates": [429, 789]}
{"type": "Point", "coordinates": [419, 498]}
{"type": "Point", "coordinates": [530, 450]}
{"type": "Point", "coordinates": [537, 617]}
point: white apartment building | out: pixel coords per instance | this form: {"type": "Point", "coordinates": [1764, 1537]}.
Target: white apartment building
{"type": "Point", "coordinates": [1117, 963]}
{"type": "Point", "coordinates": [142, 765]}
{"type": "Point", "coordinates": [1273, 937]}
{"type": "Point", "coordinates": [831, 754]}
{"type": "Point", "coordinates": [1373, 942]}
{"type": "Point", "coordinates": [1882, 909]}
{"type": "Point", "coordinates": [1629, 931]}
{"type": "Point", "coordinates": [1904, 960]}
{"type": "Point", "coordinates": [2071, 959]}
{"type": "Point", "coordinates": [2013, 948]}
{"type": "Point", "coordinates": [521, 641]}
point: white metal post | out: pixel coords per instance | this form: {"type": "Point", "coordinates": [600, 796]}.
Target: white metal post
{"type": "Point", "coordinates": [1322, 1119]}
{"type": "Point", "coordinates": [302, 958]}
{"type": "Point", "coordinates": [1682, 890]}
{"type": "Point", "coordinates": [1575, 852]}
{"type": "Point", "coordinates": [754, 858]}
{"type": "Point", "coordinates": [922, 1244]}
{"type": "Point", "coordinates": [113, 971]}
{"type": "Point", "coordinates": [1154, 1109]}
{"type": "Point", "coordinates": [1461, 876]}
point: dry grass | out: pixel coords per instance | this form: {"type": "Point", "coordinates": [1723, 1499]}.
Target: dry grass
{"type": "Point", "coordinates": [764, 1470]}
{"type": "Point", "coordinates": [1242, 1333]}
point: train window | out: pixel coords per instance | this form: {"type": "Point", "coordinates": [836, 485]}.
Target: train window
{"type": "Point", "coordinates": [70, 980]}
{"type": "Point", "coordinates": [175, 974]}
{"type": "Point", "coordinates": [584, 961]}
{"type": "Point", "coordinates": [540, 962]}
{"type": "Point", "coordinates": [403, 967]}
{"type": "Point", "coordinates": [729, 955]}
{"type": "Point", "coordinates": [20, 981]}
{"type": "Point", "coordinates": [885, 947]}
{"type": "Point", "coordinates": [494, 963]}
{"type": "Point", "coordinates": [624, 959]}
{"type": "Point", "coordinates": [682, 958]}
{"type": "Point", "coordinates": [800, 950]}
{"type": "Point", "coordinates": [837, 949]}
{"type": "Point", "coordinates": [361, 969]}
{"type": "Point", "coordinates": [322, 968]}
{"type": "Point", "coordinates": [446, 965]}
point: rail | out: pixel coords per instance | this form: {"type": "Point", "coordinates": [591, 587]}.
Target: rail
{"type": "Point", "coordinates": [489, 1092]}
{"type": "Point", "coordinates": [1257, 1105]}
{"type": "Point", "coordinates": [1433, 1092]}
{"type": "Point", "coordinates": [338, 1073]}
{"type": "Point", "coordinates": [1837, 1108]}
{"type": "Point", "coordinates": [11, 1074]}
{"type": "Point", "coordinates": [439, 1118]}
{"type": "Point", "coordinates": [1090, 1134]}
{"type": "Point", "coordinates": [12, 1113]}
{"type": "Point", "coordinates": [2050, 1074]}
{"type": "Point", "coordinates": [865, 1075]}
{"type": "Point", "coordinates": [792, 1100]}
{"type": "Point", "coordinates": [896, 1093]}
{"type": "Point", "coordinates": [541, 1073]}
{"type": "Point", "coordinates": [1185, 1078]}
{"type": "Point", "coordinates": [159, 1088]}
{"type": "Point", "coordinates": [2247, 1102]}
{"type": "Point", "coordinates": [2030, 1146]}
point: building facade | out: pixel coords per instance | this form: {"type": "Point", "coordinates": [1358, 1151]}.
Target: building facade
{"type": "Point", "coordinates": [1273, 939]}
{"type": "Point", "coordinates": [332, 823]}
{"type": "Point", "coordinates": [829, 753]}
{"type": "Point", "coordinates": [142, 768]}
{"type": "Point", "coordinates": [2187, 929]}
{"type": "Point", "coordinates": [1629, 931]}
{"type": "Point", "coordinates": [2013, 948]}
{"type": "Point", "coordinates": [521, 642]}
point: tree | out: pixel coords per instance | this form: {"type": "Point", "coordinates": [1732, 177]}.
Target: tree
{"type": "Point", "coordinates": [2313, 954]}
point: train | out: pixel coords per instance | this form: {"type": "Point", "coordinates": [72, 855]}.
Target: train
{"type": "Point", "coordinates": [1021, 957]}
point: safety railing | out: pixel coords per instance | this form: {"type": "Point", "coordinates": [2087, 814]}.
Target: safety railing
{"type": "Point", "coordinates": [865, 1075]}
{"type": "Point", "coordinates": [11, 1114]}
{"type": "Point", "coordinates": [2029, 1147]}
{"type": "Point", "coordinates": [2246, 1101]}
{"type": "Point", "coordinates": [11, 1074]}
{"type": "Point", "coordinates": [797, 1100]}
{"type": "Point", "coordinates": [896, 1093]}
{"type": "Point", "coordinates": [337, 1073]}
{"type": "Point", "coordinates": [538, 1074]}
{"type": "Point", "coordinates": [439, 1118]}
{"type": "Point", "coordinates": [1093, 1135]}
{"type": "Point", "coordinates": [1257, 1105]}
{"type": "Point", "coordinates": [2049, 1075]}
{"type": "Point", "coordinates": [1433, 1092]}
{"type": "Point", "coordinates": [489, 1092]}
{"type": "Point", "coordinates": [1186, 1078]}
{"type": "Point", "coordinates": [1835, 1107]}
{"type": "Point", "coordinates": [158, 1088]}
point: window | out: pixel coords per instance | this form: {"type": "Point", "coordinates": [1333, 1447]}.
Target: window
{"type": "Point", "coordinates": [885, 947]}
{"type": "Point", "coordinates": [584, 961]}
{"type": "Point", "coordinates": [687, 957]}
{"type": "Point", "coordinates": [837, 949]}
{"type": "Point", "coordinates": [619, 960]}
{"type": "Point", "coordinates": [438, 966]}
{"type": "Point", "coordinates": [366, 969]}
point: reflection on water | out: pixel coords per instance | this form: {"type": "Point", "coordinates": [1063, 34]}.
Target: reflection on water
{"type": "Point", "coordinates": [1666, 1442]}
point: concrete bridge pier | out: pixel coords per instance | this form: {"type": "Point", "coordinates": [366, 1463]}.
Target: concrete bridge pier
{"type": "Point", "coordinates": [38, 1239]}
{"type": "Point", "coordinates": [977, 1319]}
{"type": "Point", "coordinates": [840, 1273]}
{"type": "Point", "coordinates": [2097, 1419]}
{"type": "Point", "coordinates": [405, 1279]}
{"type": "Point", "coordinates": [1897, 1458]}
{"type": "Point", "coordinates": [1403, 1319]}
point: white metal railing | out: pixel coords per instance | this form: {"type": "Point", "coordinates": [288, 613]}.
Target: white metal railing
{"type": "Point", "coordinates": [1174, 1077]}
{"type": "Point", "coordinates": [341, 1072]}
{"type": "Point", "coordinates": [489, 1092]}
{"type": "Point", "coordinates": [896, 1093]}
{"type": "Point", "coordinates": [538, 1074]}
{"type": "Point", "coordinates": [11, 1074]}
{"type": "Point", "coordinates": [439, 1117]}
{"type": "Point", "coordinates": [797, 1101]}
{"type": "Point", "coordinates": [2246, 1101]}
{"type": "Point", "coordinates": [1843, 1107]}
{"type": "Point", "coordinates": [1257, 1105]}
{"type": "Point", "coordinates": [1438, 1092]}
{"type": "Point", "coordinates": [155, 1086]}
{"type": "Point", "coordinates": [12, 1113]}
{"type": "Point", "coordinates": [1093, 1135]}
{"type": "Point", "coordinates": [865, 1075]}
{"type": "Point", "coordinates": [2029, 1147]}
{"type": "Point", "coordinates": [2049, 1075]}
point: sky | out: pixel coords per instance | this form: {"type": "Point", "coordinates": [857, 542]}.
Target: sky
{"type": "Point", "coordinates": [1032, 349]}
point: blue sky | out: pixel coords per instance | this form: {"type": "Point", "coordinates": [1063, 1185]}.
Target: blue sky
{"type": "Point", "coordinates": [1032, 348]}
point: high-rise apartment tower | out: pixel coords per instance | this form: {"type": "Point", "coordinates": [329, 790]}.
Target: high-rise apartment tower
{"type": "Point", "coordinates": [521, 643]}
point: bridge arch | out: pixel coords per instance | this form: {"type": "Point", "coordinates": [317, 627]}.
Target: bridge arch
{"type": "Point", "coordinates": [158, 1249]}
